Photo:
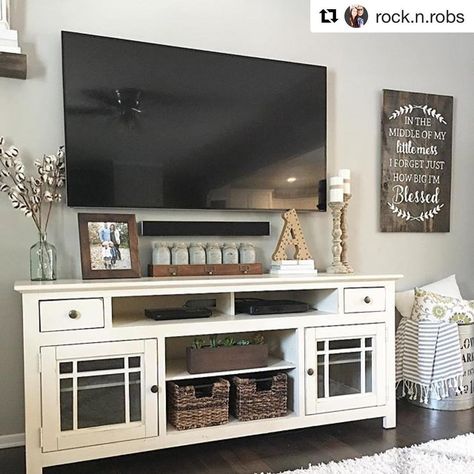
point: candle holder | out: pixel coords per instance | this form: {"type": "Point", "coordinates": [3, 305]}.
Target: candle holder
{"type": "Point", "coordinates": [344, 235]}
{"type": "Point", "coordinates": [336, 266]}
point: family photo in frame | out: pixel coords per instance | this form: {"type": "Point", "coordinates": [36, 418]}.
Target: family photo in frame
{"type": "Point", "coordinates": [109, 246]}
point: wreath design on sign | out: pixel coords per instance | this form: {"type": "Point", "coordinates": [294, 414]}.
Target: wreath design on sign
{"type": "Point", "coordinates": [408, 109]}
{"type": "Point", "coordinates": [408, 216]}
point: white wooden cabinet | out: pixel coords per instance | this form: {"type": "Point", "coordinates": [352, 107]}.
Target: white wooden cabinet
{"type": "Point", "coordinates": [96, 369]}
{"type": "Point", "coordinates": [345, 367]}
{"type": "Point", "coordinates": [98, 393]}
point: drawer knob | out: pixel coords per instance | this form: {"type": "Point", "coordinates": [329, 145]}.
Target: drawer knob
{"type": "Point", "coordinates": [367, 300]}
{"type": "Point", "coordinates": [310, 372]}
{"type": "Point", "coordinates": [74, 314]}
{"type": "Point", "coordinates": [154, 389]}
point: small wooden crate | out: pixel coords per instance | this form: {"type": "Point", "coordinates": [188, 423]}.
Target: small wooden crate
{"type": "Point", "coordinates": [195, 406]}
{"type": "Point", "coordinates": [257, 398]}
{"type": "Point", "coordinates": [205, 270]}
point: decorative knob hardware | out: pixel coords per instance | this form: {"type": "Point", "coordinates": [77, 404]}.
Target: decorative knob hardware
{"type": "Point", "coordinates": [210, 273]}
{"type": "Point", "coordinates": [154, 389]}
{"type": "Point", "coordinates": [310, 372]}
{"type": "Point", "coordinates": [74, 314]}
{"type": "Point", "coordinates": [367, 300]}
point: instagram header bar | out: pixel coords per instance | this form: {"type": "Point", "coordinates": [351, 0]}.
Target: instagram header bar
{"type": "Point", "coordinates": [371, 16]}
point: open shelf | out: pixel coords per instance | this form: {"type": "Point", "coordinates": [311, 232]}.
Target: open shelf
{"type": "Point", "coordinates": [129, 311]}
{"type": "Point", "coordinates": [176, 369]}
{"type": "Point", "coordinates": [139, 319]}
{"type": "Point", "coordinates": [233, 423]}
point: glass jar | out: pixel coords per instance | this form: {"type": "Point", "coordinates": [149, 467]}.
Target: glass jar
{"type": "Point", "coordinates": [213, 254]}
{"type": "Point", "coordinates": [247, 253]}
{"type": "Point", "coordinates": [179, 254]}
{"type": "Point", "coordinates": [43, 260]}
{"type": "Point", "coordinates": [230, 254]}
{"type": "Point", "coordinates": [161, 254]}
{"type": "Point", "coordinates": [197, 254]}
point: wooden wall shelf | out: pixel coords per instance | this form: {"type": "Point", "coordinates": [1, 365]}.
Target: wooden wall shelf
{"type": "Point", "coordinates": [13, 65]}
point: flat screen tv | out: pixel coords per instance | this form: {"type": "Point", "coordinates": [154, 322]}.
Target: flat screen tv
{"type": "Point", "coordinates": [154, 126]}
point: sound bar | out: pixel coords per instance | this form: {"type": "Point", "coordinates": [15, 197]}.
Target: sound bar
{"type": "Point", "coordinates": [205, 228]}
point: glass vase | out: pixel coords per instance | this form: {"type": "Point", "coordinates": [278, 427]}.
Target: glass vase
{"type": "Point", "coordinates": [43, 260]}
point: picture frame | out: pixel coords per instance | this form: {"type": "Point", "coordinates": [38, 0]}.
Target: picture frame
{"type": "Point", "coordinates": [109, 246]}
{"type": "Point", "coordinates": [5, 14]}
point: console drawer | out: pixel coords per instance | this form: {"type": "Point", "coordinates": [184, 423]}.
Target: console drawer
{"type": "Point", "coordinates": [363, 300]}
{"type": "Point", "coordinates": [65, 315]}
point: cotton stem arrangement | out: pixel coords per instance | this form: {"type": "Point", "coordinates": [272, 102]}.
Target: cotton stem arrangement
{"type": "Point", "coordinates": [35, 195]}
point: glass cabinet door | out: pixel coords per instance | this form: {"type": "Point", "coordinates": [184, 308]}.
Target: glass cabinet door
{"type": "Point", "coordinates": [344, 367]}
{"type": "Point", "coordinates": [95, 393]}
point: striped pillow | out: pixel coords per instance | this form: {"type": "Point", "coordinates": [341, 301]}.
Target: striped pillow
{"type": "Point", "coordinates": [435, 307]}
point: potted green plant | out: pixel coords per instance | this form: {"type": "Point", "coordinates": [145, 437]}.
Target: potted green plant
{"type": "Point", "coordinates": [229, 353]}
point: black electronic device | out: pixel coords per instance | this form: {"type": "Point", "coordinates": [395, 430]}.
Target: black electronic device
{"type": "Point", "coordinates": [204, 228]}
{"type": "Point", "coordinates": [157, 126]}
{"type": "Point", "coordinates": [164, 314]}
{"type": "Point", "coordinates": [200, 303]}
{"type": "Point", "coordinates": [257, 306]}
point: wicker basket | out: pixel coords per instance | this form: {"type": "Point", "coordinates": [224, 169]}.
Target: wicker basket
{"type": "Point", "coordinates": [257, 398]}
{"type": "Point", "coordinates": [196, 406]}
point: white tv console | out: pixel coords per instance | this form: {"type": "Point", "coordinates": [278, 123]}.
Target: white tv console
{"type": "Point", "coordinates": [96, 369]}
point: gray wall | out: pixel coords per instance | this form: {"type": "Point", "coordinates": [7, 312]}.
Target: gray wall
{"type": "Point", "coordinates": [360, 66]}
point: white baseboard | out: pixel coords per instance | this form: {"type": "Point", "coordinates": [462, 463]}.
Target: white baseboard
{"type": "Point", "coordinates": [12, 441]}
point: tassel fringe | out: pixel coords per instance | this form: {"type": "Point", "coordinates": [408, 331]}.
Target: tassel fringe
{"type": "Point", "coordinates": [424, 393]}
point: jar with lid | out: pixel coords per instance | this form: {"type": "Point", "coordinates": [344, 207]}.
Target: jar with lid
{"type": "Point", "coordinates": [161, 254]}
{"type": "Point", "coordinates": [213, 254]}
{"type": "Point", "coordinates": [230, 254]}
{"type": "Point", "coordinates": [179, 254]}
{"type": "Point", "coordinates": [247, 253]}
{"type": "Point", "coordinates": [197, 254]}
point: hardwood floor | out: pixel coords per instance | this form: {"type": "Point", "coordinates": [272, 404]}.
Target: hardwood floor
{"type": "Point", "coordinates": [274, 452]}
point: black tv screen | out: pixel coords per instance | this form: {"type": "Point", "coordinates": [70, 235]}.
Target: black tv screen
{"type": "Point", "coordinates": [158, 126]}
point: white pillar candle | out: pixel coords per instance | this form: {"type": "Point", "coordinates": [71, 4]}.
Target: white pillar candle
{"type": "Point", "coordinates": [345, 174]}
{"type": "Point", "coordinates": [336, 189]}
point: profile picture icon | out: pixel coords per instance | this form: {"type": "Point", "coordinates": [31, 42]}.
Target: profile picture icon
{"type": "Point", "coordinates": [356, 16]}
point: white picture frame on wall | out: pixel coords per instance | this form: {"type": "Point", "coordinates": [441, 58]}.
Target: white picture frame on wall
{"type": "Point", "coordinates": [8, 37]}
{"type": "Point", "coordinates": [5, 14]}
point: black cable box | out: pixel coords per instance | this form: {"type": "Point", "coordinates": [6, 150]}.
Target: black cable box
{"type": "Point", "coordinates": [164, 314]}
{"type": "Point", "coordinates": [257, 306]}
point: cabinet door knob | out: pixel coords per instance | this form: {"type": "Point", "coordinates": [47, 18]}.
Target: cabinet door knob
{"type": "Point", "coordinates": [154, 389]}
{"type": "Point", "coordinates": [368, 300]}
{"type": "Point", "coordinates": [310, 372]}
{"type": "Point", "coordinates": [74, 314]}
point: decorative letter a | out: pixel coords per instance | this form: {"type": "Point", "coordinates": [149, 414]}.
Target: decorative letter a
{"type": "Point", "coordinates": [292, 234]}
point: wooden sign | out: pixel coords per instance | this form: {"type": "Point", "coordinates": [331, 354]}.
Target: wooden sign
{"type": "Point", "coordinates": [291, 234]}
{"type": "Point", "coordinates": [416, 162]}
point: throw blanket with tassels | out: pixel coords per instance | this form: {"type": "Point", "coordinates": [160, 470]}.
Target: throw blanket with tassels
{"type": "Point", "coordinates": [428, 359]}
